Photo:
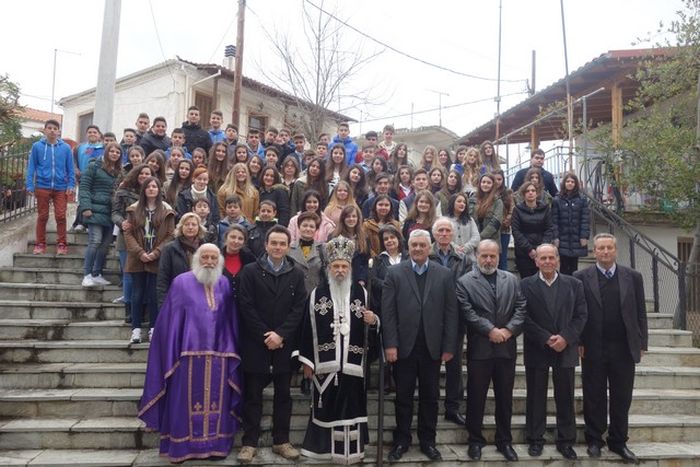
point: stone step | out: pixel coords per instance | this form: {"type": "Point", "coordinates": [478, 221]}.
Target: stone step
{"type": "Point", "coordinates": [131, 375]}
{"type": "Point", "coordinates": [71, 311]}
{"type": "Point", "coordinates": [42, 329]}
{"type": "Point", "coordinates": [120, 402]}
{"type": "Point", "coordinates": [660, 320]}
{"type": "Point", "coordinates": [129, 432]}
{"type": "Point", "coordinates": [59, 329]}
{"type": "Point", "coordinates": [76, 249]}
{"type": "Point", "coordinates": [650, 454]}
{"type": "Point", "coordinates": [52, 276]}
{"type": "Point", "coordinates": [95, 351]}
{"type": "Point", "coordinates": [58, 292]}
{"type": "Point", "coordinates": [73, 238]}
{"type": "Point", "coordinates": [51, 260]}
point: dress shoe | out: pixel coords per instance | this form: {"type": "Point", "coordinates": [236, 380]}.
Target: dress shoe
{"type": "Point", "coordinates": [431, 452]}
{"type": "Point", "coordinates": [474, 452]}
{"type": "Point", "coordinates": [567, 451]}
{"type": "Point", "coordinates": [535, 450]}
{"type": "Point", "coordinates": [508, 452]}
{"type": "Point", "coordinates": [593, 450]}
{"type": "Point", "coordinates": [455, 417]}
{"type": "Point", "coordinates": [624, 452]}
{"type": "Point", "coordinates": [397, 452]}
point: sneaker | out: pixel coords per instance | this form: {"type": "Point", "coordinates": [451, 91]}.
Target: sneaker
{"type": "Point", "coordinates": [119, 300]}
{"type": "Point", "coordinates": [79, 228]}
{"type": "Point", "coordinates": [99, 280]}
{"type": "Point", "coordinates": [39, 249]}
{"type": "Point", "coordinates": [286, 450]}
{"type": "Point", "coordinates": [136, 336]}
{"type": "Point", "coordinates": [150, 334]}
{"type": "Point", "coordinates": [62, 249]}
{"type": "Point", "coordinates": [88, 281]}
{"type": "Point", "coordinates": [246, 454]}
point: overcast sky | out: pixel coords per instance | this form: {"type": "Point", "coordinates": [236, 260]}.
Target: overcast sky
{"type": "Point", "coordinates": [461, 35]}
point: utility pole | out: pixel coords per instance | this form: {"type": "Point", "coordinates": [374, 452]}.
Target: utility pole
{"type": "Point", "coordinates": [238, 73]}
{"type": "Point", "coordinates": [569, 105]}
{"type": "Point", "coordinates": [107, 71]}
{"type": "Point", "coordinates": [498, 81]}
{"type": "Point", "coordinates": [440, 94]}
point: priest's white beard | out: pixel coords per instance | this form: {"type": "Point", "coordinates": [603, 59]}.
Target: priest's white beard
{"type": "Point", "coordinates": [208, 276]}
{"type": "Point", "coordinates": [340, 289]}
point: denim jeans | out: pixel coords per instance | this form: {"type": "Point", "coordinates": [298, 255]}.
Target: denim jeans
{"type": "Point", "coordinates": [99, 239]}
{"type": "Point", "coordinates": [503, 258]}
{"type": "Point", "coordinates": [127, 280]}
{"type": "Point", "coordinates": [143, 292]}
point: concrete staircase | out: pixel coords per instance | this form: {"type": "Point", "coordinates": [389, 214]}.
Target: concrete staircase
{"type": "Point", "coordinates": [70, 383]}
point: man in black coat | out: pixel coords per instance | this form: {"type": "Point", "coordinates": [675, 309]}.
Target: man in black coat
{"type": "Point", "coordinates": [419, 314]}
{"type": "Point", "coordinates": [556, 315]}
{"type": "Point", "coordinates": [494, 313]}
{"type": "Point", "coordinates": [536, 161]}
{"type": "Point", "coordinates": [613, 341]}
{"type": "Point", "coordinates": [272, 301]}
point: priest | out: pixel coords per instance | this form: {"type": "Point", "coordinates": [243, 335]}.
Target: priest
{"type": "Point", "coordinates": [336, 336]}
{"type": "Point", "coordinates": [192, 393]}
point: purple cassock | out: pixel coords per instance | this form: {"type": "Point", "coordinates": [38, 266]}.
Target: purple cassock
{"type": "Point", "coordinates": [192, 394]}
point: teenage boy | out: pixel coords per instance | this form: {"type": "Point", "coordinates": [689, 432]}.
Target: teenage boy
{"type": "Point", "coordinates": [285, 141]}
{"type": "Point", "coordinates": [108, 137]}
{"type": "Point", "coordinates": [156, 138]}
{"type": "Point", "coordinates": [128, 140]}
{"type": "Point", "coordinates": [267, 218]}
{"type": "Point", "coordinates": [420, 182]}
{"type": "Point", "coordinates": [270, 136]}
{"type": "Point", "coordinates": [83, 154]}
{"type": "Point", "coordinates": [216, 119]}
{"type": "Point", "coordinates": [253, 143]}
{"type": "Point", "coordinates": [322, 150]}
{"type": "Point", "coordinates": [195, 136]}
{"type": "Point", "coordinates": [51, 177]}
{"type": "Point", "coordinates": [231, 140]}
{"type": "Point", "coordinates": [343, 137]}
{"type": "Point", "coordinates": [177, 139]}
{"type": "Point", "coordinates": [202, 208]}
{"type": "Point", "coordinates": [388, 145]}
{"type": "Point", "coordinates": [143, 122]}
{"type": "Point", "coordinates": [382, 185]}
{"type": "Point", "coordinates": [233, 216]}
{"type": "Point", "coordinates": [325, 138]}
{"type": "Point", "coordinates": [299, 143]}
{"type": "Point", "coordinates": [366, 157]}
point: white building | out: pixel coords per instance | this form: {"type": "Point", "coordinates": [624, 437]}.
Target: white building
{"type": "Point", "coordinates": [169, 88]}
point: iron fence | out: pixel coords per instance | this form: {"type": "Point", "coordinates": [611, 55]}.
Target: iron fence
{"type": "Point", "coordinates": [16, 202]}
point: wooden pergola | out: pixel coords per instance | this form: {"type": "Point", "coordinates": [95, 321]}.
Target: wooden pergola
{"type": "Point", "coordinates": [611, 75]}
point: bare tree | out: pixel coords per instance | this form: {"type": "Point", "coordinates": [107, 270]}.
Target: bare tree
{"type": "Point", "coordinates": [321, 71]}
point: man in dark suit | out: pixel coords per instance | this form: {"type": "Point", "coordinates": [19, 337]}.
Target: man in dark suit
{"type": "Point", "coordinates": [613, 341]}
{"type": "Point", "coordinates": [419, 320]}
{"type": "Point", "coordinates": [494, 313]}
{"type": "Point", "coordinates": [556, 315]}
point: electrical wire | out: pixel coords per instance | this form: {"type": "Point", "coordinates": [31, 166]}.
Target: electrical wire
{"type": "Point", "coordinates": [160, 43]}
{"type": "Point", "coordinates": [213, 54]}
{"type": "Point", "coordinates": [452, 106]}
{"type": "Point", "coordinates": [407, 55]}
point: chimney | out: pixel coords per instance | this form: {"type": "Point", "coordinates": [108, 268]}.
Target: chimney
{"type": "Point", "coordinates": [229, 55]}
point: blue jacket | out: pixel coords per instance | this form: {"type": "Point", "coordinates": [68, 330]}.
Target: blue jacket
{"type": "Point", "coordinates": [350, 148]}
{"type": "Point", "coordinates": [217, 136]}
{"type": "Point", "coordinates": [86, 152]}
{"type": "Point", "coordinates": [50, 166]}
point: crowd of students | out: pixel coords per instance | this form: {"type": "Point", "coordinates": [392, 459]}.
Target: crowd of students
{"type": "Point", "coordinates": [142, 187]}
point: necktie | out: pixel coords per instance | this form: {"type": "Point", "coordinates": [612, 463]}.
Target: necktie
{"type": "Point", "coordinates": [608, 274]}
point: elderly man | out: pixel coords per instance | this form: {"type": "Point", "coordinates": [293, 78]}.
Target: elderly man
{"type": "Point", "coordinates": [419, 313]}
{"type": "Point", "coordinates": [272, 298]}
{"type": "Point", "coordinates": [444, 253]}
{"type": "Point", "coordinates": [556, 315]}
{"type": "Point", "coordinates": [494, 312]}
{"type": "Point", "coordinates": [193, 350]}
{"type": "Point", "coordinates": [335, 339]}
{"type": "Point", "coordinates": [613, 341]}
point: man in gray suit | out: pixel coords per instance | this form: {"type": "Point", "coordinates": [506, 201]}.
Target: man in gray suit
{"type": "Point", "coordinates": [556, 315]}
{"type": "Point", "coordinates": [494, 310]}
{"type": "Point", "coordinates": [613, 341]}
{"type": "Point", "coordinates": [419, 319]}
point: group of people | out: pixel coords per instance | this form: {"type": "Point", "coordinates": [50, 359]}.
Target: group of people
{"type": "Point", "coordinates": [252, 258]}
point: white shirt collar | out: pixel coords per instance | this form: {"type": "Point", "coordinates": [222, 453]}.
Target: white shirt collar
{"type": "Point", "coordinates": [548, 282]}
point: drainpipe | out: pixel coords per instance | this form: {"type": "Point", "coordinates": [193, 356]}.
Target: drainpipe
{"type": "Point", "coordinates": [191, 86]}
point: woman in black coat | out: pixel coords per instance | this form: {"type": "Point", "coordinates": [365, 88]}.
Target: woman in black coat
{"type": "Point", "coordinates": [532, 226]}
{"type": "Point", "coordinates": [176, 257]}
{"type": "Point", "coordinates": [272, 188]}
{"type": "Point", "coordinates": [572, 224]}
{"type": "Point", "coordinates": [236, 255]}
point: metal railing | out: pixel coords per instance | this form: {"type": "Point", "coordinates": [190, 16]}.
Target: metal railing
{"type": "Point", "coordinates": [16, 202]}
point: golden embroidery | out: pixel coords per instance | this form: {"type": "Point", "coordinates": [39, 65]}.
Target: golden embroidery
{"type": "Point", "coordinates": [207, 394]}
{"type": "Point", "coordinates": [211, 300]}
{"type": "Point", "coordinates": [197, 406]}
